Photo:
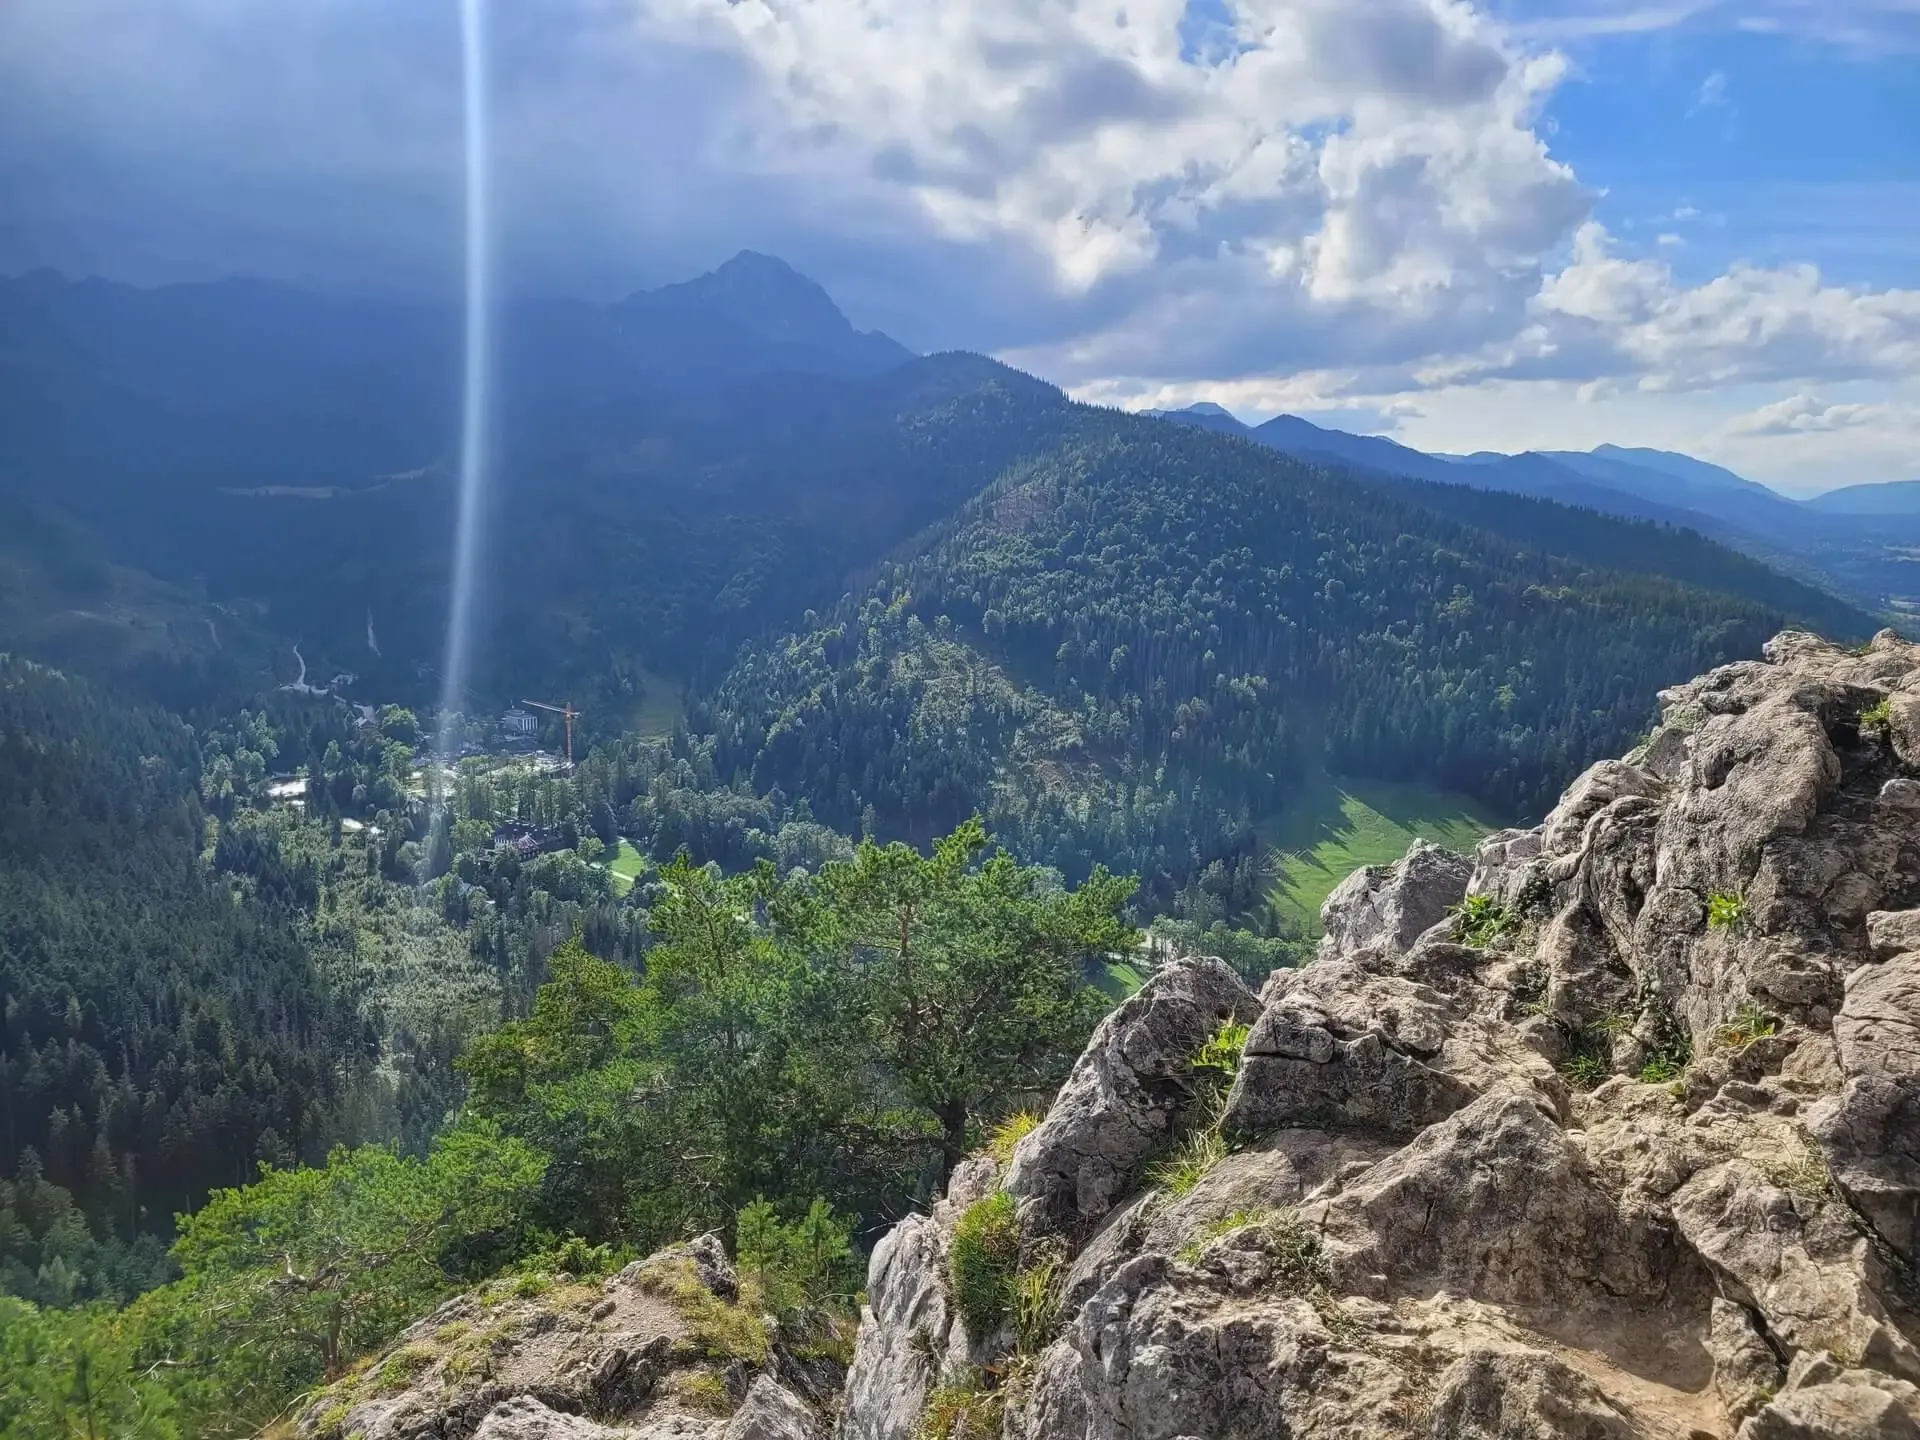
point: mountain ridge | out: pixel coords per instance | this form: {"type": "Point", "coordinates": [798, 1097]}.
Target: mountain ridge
{"type": "Point", "coordinates": [1833, 543]}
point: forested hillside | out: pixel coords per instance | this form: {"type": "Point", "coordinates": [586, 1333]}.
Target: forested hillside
{"type": "Point", "coordinates": [217, 984]}
{"type": "Point", "coordinates": [162, 1033]}
{"type": "Point", "coordinates": [1134, 647]}
{"type": "Point", "coordinates": [234, 469]}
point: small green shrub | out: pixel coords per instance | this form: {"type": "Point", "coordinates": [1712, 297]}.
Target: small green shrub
{"type": "Point", "coordinates": [982, 1263]}
{"type": "Point", "coordinates": [1189, 1163]}
{"type": "Point", "coordinates": [1220, 1053]}
{"type": "Point", "coordinates": [1726, 912]}
{"type": "Point", "coordinates": [1481, 921]}
{"type": "Point", "coordinates": [532, 1285]}
{"type": "Point", "coordinates": [1662, 1066]}
{"type": "Point", "coordinates": [1009, 1133]}
{"type": "Point", "coordinates": [1878, 716]}
{"type": "Point", "coordinates": [805, 1262]}
{"type": "Point", "coordinates": [574, 1256]}
{"type": "Point", "coordinates": [1747, 1024]}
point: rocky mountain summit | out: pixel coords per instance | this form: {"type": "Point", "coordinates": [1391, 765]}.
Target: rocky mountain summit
{"type": "Point", "coordinates": [1609, 1131]}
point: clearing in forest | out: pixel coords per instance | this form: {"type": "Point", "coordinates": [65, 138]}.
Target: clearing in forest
{"type": "Point", "coordinates": [661, 702]}
{"type": "Point", "coordinates": [625, 865]}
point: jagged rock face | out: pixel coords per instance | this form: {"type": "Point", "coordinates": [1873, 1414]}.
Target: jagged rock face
{"type": "Point", "coordinates": [1337, 1044]}
{"type": "Point", "coordinates": [1645, 1166]}
{"type": "Point", "coordinates": [1383, 909]}
{"type": "Point", "coordinates": [1127, 1092]}
{"type": "Point", "coordinates": [661, 1351]}
{"type": "Point", "coordinates": [910, 1335]}
{"type": "Point", "coordinates": [1872, 1132]}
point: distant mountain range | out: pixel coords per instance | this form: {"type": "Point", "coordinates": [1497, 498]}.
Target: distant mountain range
{"type": "Point", "coordinates": [213, 473]}
{"type": "Point", "coordinates": [1856, 540]}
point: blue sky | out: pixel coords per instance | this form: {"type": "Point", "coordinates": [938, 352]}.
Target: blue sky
{"type": "Point", "coordinates": [1472, 224]}
{"type": "Point", "coordinates": [1776, 148]}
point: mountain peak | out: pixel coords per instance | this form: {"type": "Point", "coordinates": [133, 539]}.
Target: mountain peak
{"type": "Point", "coordinates": [767, 297]}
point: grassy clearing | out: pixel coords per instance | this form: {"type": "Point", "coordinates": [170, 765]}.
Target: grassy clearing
{"type": "Point", "coordinates": [661, 703]}
{"type": "Point", "coordinates": [1117, 979]}
{"type": "Point", "coordinates": [625, 866]}
{"type": "Point", "coordinates": [1338, 825]}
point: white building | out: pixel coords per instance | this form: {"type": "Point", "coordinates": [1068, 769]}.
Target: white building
{"type": "Point", "coordinates": [520, 722]}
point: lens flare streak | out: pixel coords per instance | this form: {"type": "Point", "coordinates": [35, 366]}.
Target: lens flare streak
{"type": "Point", "coordinates": [476, 376]}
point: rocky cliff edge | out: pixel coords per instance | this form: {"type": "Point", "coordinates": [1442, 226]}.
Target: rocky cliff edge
{"type": "Point", "coordinates": [1611, 1130]}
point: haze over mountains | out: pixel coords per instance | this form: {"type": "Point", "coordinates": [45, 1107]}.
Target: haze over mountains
{"type": "Point", "coordinates": [728, 450]}
{"type": "Point", "coordinates": [1857, 539]}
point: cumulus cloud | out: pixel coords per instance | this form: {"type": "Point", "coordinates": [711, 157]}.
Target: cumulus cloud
{"type": "Point", "coordinates": [1809, 415]}
{"type": "Point", "coordinates": [1379, 154]}
{"type": "Point", "coordinates": [1609, 316]}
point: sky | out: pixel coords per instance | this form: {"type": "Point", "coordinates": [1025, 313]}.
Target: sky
{"type": "Point", "coordinates": [1468, 224]}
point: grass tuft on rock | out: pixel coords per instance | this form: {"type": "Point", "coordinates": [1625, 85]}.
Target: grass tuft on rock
{"type": "Point", "coordinates": [1009, 1133]}
{"type": "Point", "coordinates": [963, 1407]}
{"type": "Point", "coordinates": [982, 1263]}
{"type": "Point", "coordinates": [1036, 1300]}
{"type": "Point", "coordinates": [717, 1329]}
{"type": "Point", "coordinates": [1181, 1172]}
{"type": "Point", "coordinates": [1747, 1024]}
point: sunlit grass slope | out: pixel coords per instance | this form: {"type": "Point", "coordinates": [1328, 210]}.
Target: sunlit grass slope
{"type": "Point", "coordinates": [1338, 825]}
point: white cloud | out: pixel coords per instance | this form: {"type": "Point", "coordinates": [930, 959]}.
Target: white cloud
{"type": "Point", "coordinates": [1611, 323]}
{"type": "Point", "coordinates": [1380, 151]}
{"type": "Point", "coordinates": [1804, 414]}
{"type": "Point", "coordinates": [1812, 442]}
{"type": "Point", "coordinates": [1347, 204]}
{"type": "Point", "coordinates": [1868, 27]}
{"type": "Point", "coordinates": [1713, 92]}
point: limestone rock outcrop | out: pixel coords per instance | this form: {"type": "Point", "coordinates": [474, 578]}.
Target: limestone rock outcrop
{"type": "Point", "coordinates": [663, 1350]}
{"type": "Point", "coordinates": [1633, 1156]}
{"type": "Point", "coordinates": [1383, 909]}
{"type": "Point", "coordinates": [1127, 1092]}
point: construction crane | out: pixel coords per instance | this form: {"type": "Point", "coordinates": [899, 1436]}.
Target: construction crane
{"type": "Point", "coordinates": [567, 713]}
